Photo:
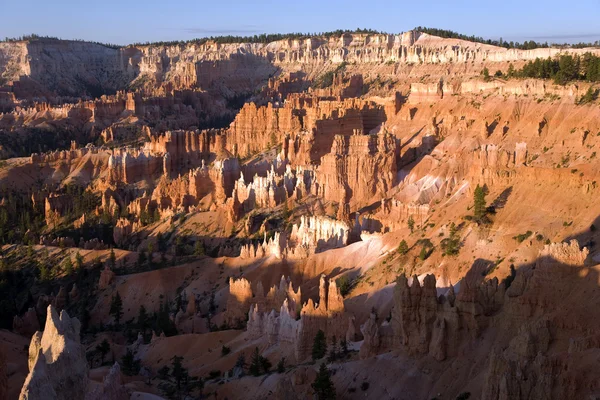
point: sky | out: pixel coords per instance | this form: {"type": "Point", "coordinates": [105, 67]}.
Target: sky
{"type": "Point", "coordinates": [124, 22]}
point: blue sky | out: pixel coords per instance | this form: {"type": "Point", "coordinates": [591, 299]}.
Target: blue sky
{"type": "Point", "coordinates": [125, 21]}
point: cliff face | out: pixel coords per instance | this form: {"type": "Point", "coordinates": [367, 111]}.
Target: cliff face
{"type": "Point", "coordinates": [70, 67]}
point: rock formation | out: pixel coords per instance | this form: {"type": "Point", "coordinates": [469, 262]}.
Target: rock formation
{"type": "Point", "coordinates": [106, 277]}
{"type": "Point", "coordinates": [284, 329]}
{"type": "Point", "coordinates": [28, 324]}
{"type": "Point", "coordinates": [57, 365]}
{"type": "Point", "coordinates": [112, 387]}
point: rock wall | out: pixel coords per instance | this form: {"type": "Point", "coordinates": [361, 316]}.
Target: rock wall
{"type": "Point", "coordinates": [358, 168]}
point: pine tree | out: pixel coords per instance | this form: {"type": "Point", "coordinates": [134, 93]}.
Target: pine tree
{"type": "Point", "coordinates": [479, 207]}
{"type": "Point", "coordinates": [177, 371]}
{"type": "Point", "coordinates": [281, 365]}
{"type": "Point", "coordinates": [241, 361]}
{"type": "Point", "coordinates": [265, 364]}
{"type": "Point", "coordinates": [103, 348]}
{"type": "Point", "coordinates": [78, 261]}
{"type": "Point", "coordinates": [129, 364]}
{"type": "Point", "coordinates": [68, 266]}
{"type": "Point", "coordinates": [411, 224]}
{"type": "Point", "coordinates": [323, 387]}
{"type": "Point", "coordinates": [44, 272]}
{"type": "Point", "coordinates": [344, 346]}
{"type": "Point", "coordinates": [511, 71]}
{"type": "Point", "coordinates": [403, 247]}
{"type": "Point", "coordinates": [319, 348]}
{"type": "Point", "coordinates": [116, 308]}
{"type": "Point", "coordinates": [333, 351]}
{"type": "Point", "coordinates": [254, 367]}
{"type": "Point", "coordinates": [198, 248]}
{"type": "Point", "coordinates": [143, 320]}
{"type": "Point", "coordinates": [486, 74]}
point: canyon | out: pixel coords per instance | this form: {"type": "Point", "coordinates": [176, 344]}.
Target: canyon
{"type": "Point", "coordinates": [178, 219]}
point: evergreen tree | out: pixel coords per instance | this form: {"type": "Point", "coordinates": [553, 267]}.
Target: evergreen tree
{"type": "Point", "coordinates": [68, 266]}
{"type": "Point", "coordinates": [344, 346]}
{"type": "Point", "coordinates": [319, 348]}
{"type": "Point", "coordinates": [411, 224]}
{"type": "Point", "coordinates": [333, 351]}
{"type": "Point", "coordinates": [78, 261]}
{"type": "Point", "coordinates": [511, 71]}
{"type": "Point", "coordinates": [479, 207]}
{"type": "Point", "coordinates": [486, 74]}
{"type": "Point", "coordinates": [323, 387]}
{"type": "Point", "coordinates": [116, 308]}
{"type": "Point", "coordinates": [163, 373]}
{"type": "Point", "coordinates": [129, 365]}
{"type": "Point", "coordinates": [281, 365]}
{"type": "Point", "coordinates": [44, 272]}
{"type": "Point", "coordinates": [241, 361]}
{"type": "Point", "coordinates": [103, 348]}
{"type": "Point", "coordinates": [265, 364]}
{"type": "Point", "coordinates": [451, 245]}
{"type": "Point", "coordinates": [198, 248]}
{"type": "Point", "coordinates": [143, 321]}
{"type": "Point", "coordinates": [179, 373]}
{"type": "Point", "coordinates": [403, 247]}
{"type": "Point", "coordinates": [254, 367]}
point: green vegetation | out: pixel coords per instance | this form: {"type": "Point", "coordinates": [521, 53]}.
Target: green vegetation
{"type": "Point", "coordinates": [451, 244]}
{"type": "Point", "coordinates": [486, 74]}
{"type": "Point", "coordinates": [103, 348]}
{"type": "Point", "coordinates": [590, 96]}
{"type": "Point", "coordinates": [258, 364]}
{"type": "Point", "coordinates": [527, 45]}
{"type": "Point", "coordinates": [345, 284]}
{"type": "Point", "coordinates": [411, 224]}
{"type": "Point", "coordinates": [116, 308]}
{"type": "Point", "coordinates": [326, 80]}
{"type": "Point", "coordinates": [520, 238]}
{"type": "Point", "coordinates": [562, 69]}
{"type": "Point", "coordinates": [403, 247]}
{"type": "Point", "coordinates": [281, 365]}
{"type": "Point", "coordinates": [225, 350]}
{"type": "Point", "coordinates": [426, 249]}
{"type": "Point", "coordinates": [319, 349]}
{"type": "Point", "coordinates": [129, 365]}
{"type": "Point", "coordinates": [262, 38]}
{"type": "Point", "coordinates": [323, 386]}
{"type": "Point", "coordinates": [479, 205]}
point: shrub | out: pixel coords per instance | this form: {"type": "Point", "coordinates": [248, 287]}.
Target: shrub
{"type": "Point", "coordinates": [520, 238]}
{"type": "Point", "coordinates": [344, 284]}
{"type": "Point", "coordinates": [225, 350]}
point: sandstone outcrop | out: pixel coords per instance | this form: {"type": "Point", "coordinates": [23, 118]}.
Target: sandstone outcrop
{"type": "Point", "coordinates": [284, 329]}
{"type": "Point", "coordinates": [319, 233]}
{"type": "Point", "coordinates": [106, 277]}
{"type": "Point", "coordinates": [112, 387]}
{"type": "Point", "coordinates": [28, 324]}
{"type": "Point", "coordinates": [57, 364]}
